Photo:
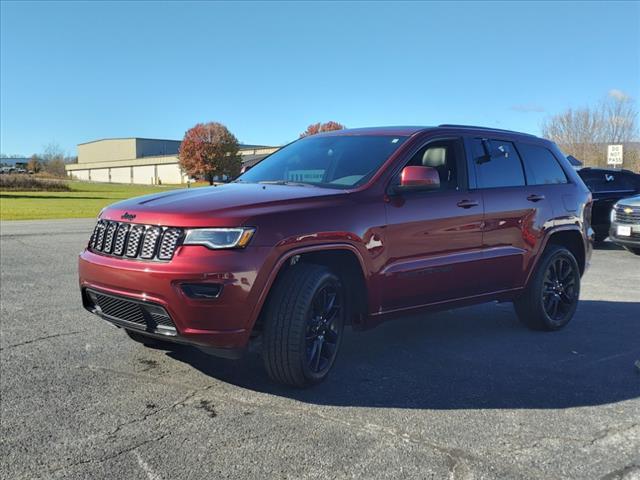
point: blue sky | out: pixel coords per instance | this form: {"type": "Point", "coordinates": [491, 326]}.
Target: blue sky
{"type": "Point", "coordinates": [73, 72]}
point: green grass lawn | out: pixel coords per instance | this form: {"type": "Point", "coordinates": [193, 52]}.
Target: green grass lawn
{"type": "Point", "coordinates": [85, 200]}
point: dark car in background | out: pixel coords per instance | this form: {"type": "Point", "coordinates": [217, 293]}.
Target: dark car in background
{"type": "Point", "coordinates": [625, 224]}
{"type": "Point", "coordinates": [607, 186]}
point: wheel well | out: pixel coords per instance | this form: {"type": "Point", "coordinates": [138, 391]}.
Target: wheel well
{"type": "Point", "coordinates": [572, 241]}
{"type": "Point", "coordinates": [342, 263]}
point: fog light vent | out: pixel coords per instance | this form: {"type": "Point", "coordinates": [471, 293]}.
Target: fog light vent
{"type": "Point", "coordinates": [202, 291]}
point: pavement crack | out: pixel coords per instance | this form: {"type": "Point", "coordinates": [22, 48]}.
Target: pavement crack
{"type": "Point", "coordinates": [139, 419]}
{"type": "Point", "coordinates": [610, 432]}
{"type": "Point", "coordinates": [456, 458]}
{"type": "Point", "coordinates": [28, 342]}
{"type": "Point", "coordinates": [144, 417]}
{"type": "Point", "coordinates": [108, 457]}
{"type": "Point", "coordinates": [623, 473]}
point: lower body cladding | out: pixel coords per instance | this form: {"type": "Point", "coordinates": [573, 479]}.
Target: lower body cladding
{"type": "Point", "coordinates": [202, 298]}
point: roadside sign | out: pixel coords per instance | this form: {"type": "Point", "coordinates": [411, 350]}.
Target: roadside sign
{"type": "Point", "coordinates": [614, 155]}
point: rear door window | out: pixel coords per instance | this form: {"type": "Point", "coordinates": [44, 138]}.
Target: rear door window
{"type": "Point", "coordinates": [497, 164]}
{"type": "Point", "coordinates": [541, 165]}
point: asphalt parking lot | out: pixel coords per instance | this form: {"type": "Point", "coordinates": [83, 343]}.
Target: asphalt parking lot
{"type": "Point", "coordinates": [461, 394]}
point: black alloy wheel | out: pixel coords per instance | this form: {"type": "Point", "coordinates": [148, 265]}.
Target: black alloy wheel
{"type": "Point", "coordinates": [559, 293]}
{"type": "Point", "coordinates": [304, 321]}
{"type": "Point", "coordinates": [550, 299]}
{"type": "Point", "coordinates": [323, 328]}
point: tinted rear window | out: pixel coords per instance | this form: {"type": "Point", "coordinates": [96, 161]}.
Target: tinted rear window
{"type": "Point", "coordinates": [500, 166]}
{"type": "Point", "coordinates": [541, 165]}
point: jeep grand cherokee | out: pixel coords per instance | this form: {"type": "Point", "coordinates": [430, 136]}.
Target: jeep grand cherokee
{"type": "Point", "coordinates": [350, 227]}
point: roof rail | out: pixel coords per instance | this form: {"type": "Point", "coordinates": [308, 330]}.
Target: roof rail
{"type": "Point", "coordinates": [453, 125]}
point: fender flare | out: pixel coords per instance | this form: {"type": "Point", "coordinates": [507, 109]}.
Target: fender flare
{"type": "Point", "coordinates": [545, 242]}
{"type": "Point", "coordinates": [286, 256]}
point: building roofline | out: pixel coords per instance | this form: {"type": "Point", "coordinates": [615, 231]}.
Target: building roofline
{"type": "Point", "coordinates": [129, 138]}
{"type": "Point", "coordinates": [241, 145]}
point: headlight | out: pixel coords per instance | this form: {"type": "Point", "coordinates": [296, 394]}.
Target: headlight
{"type": "Point", "coordinates": [216, 238]}
{"type": "Point", "coordinates": [612, 215]}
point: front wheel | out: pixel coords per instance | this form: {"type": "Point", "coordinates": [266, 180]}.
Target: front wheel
{"type": "Point", "coordinates": [304, 325]}
{"type": "Point", "coordinates": [551, 297]}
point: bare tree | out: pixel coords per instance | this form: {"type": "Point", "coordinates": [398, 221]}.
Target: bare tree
{"type": "Point", "coordinates": [586, 132]}
{"type": "Point", "coordinates": [34, 164]}
{"type": "Point", "coordinates": [576, 131]}
{"type": "Point", "coordinates": [54, 160]}
{"type": "Point", "coordinates": [620, 118]}
{"type": "Point", "coordinates": [53, 151]}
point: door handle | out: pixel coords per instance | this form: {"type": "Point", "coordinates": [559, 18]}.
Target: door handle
{"type": "Point", "coordinates": [535, 198]}
{"type": "Point", "coordinates": [467, 203]}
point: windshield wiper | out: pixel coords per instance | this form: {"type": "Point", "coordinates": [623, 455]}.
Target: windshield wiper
{"type": "Point", "coordinates": [286, 182]}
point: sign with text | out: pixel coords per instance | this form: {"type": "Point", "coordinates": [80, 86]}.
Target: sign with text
{"type": "Point", "coordinates": [614, 155]}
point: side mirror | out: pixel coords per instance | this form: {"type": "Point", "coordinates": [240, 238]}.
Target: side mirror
{"type": "Point", "coordinates": [418, 178]}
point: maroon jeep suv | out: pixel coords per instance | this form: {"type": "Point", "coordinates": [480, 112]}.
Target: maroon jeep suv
{"type": "Point", "coordinates": [351, 227]}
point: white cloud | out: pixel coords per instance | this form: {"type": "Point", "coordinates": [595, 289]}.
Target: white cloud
{"type": "Point", "coordinates": [618, 94]}
{"type": "Point", "coordinates": [527, 108]}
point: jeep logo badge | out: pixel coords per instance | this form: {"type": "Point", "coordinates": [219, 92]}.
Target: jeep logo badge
{"type": "Point", "coordinates": [128, 216]}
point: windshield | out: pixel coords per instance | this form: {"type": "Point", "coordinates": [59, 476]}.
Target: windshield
{"type": "Point", "coordinates": [344, 161]}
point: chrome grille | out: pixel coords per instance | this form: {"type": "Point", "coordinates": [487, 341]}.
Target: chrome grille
{"type": "Point", "coordinates": [150, 242]}
{"type": "Point", "coordinates": [147, 242]}
{"type": "Point", "coordinates": [98, 241]}
{"type": "Point", "coordinates": [169, 242]}
{"type": "Point", "coordinates": [133, 244]}
{"type": "Point", "coordinates": [94, 234]}
{"type": "Point", "coordinates": [121, 237]}
{"type": "Point", "coordinates": [109, 236]}
{"type": "Point", "coordinates": [632, 217]}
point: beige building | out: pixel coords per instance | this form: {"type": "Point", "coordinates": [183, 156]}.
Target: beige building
{"type": "Point", "coordinates": [141, 160]}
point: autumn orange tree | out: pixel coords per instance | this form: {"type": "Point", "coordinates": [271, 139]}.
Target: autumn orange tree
{"type": "Point", "coordinates": [209, 150]}
{"type": "Point", "coordinates": [322, 127]}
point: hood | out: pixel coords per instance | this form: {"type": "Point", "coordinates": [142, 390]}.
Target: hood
{"type": "Point", "coordinates": [225, 205]}
{"type": "Point", "coordinates": [630, 202]}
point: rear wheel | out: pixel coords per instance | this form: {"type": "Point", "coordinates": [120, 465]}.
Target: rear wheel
{"type": "Point", "coordinates": [304, 325]}
{"type": "Point", "coordinates": [551, 297]}
{"type": "Point", "coordinates": [149, 341]}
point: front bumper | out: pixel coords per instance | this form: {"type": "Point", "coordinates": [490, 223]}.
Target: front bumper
{"type": "Point", "coordinates": [221, 324]}
{"type": "Point", "coordinates": [632, 240]}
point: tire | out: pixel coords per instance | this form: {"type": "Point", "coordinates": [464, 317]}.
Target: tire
{"type": "Point", "coordinates": [149, 341]}
{"type": "Point", "coordinates": [634, 250]}
{"type": "Point", "coordinates": [547, 304]}
{"type": "Point", "coordinates": [303, 327]}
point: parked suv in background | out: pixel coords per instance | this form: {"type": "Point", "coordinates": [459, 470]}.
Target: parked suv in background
{"type": "Point", "coordinates": [607, 187]}
{"type": "Point", "coordinates": [347, 227]}
{"type": "Point", "coordinates": [625, 224]}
